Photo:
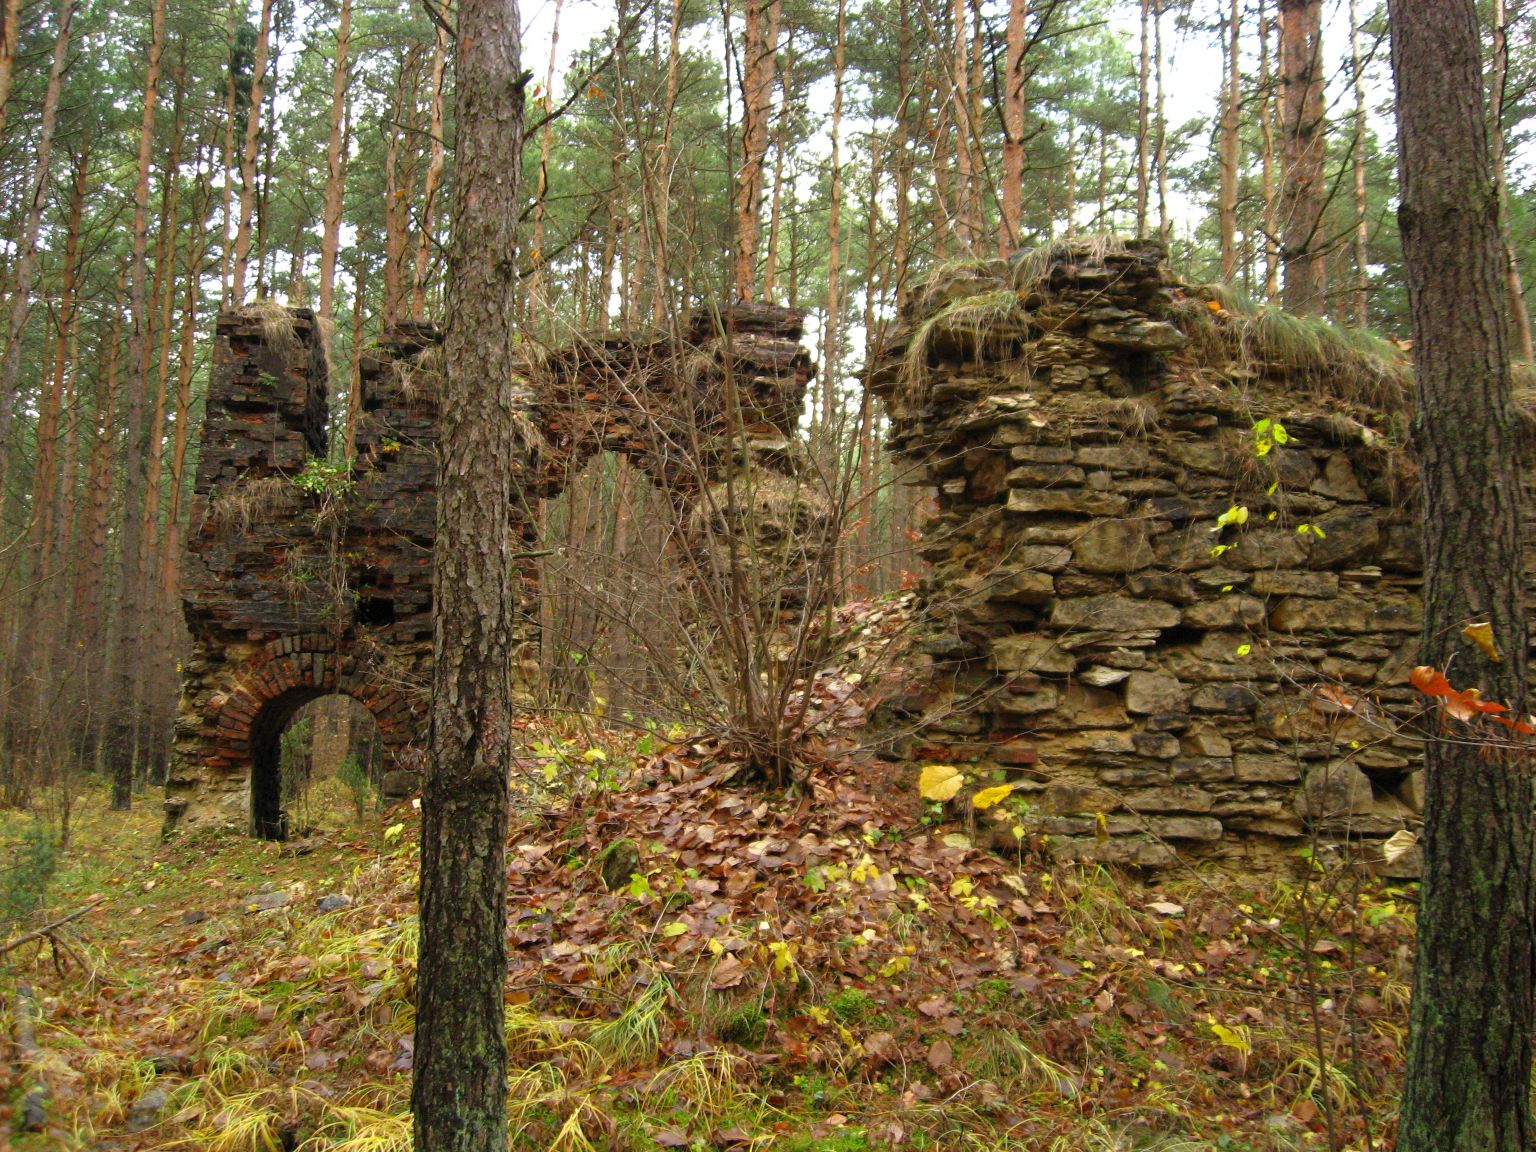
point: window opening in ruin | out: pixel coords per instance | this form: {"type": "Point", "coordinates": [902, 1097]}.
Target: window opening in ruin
{"type": "Point", "coordinates": [608, 614]}
{"type": "Point", "coordinates": [315, 763]}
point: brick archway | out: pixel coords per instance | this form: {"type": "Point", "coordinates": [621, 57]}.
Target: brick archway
{"type": "Point", "coordinates": [265, 693]}
{"type": "Point", "coordinates": [304, 578]}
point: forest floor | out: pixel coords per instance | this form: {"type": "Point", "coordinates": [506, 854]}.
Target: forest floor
{"type": "Point", "coordinates": [697, 964]}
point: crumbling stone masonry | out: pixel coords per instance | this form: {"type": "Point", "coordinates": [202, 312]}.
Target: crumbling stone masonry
{"type": "Point", "coordinates": [1158, 675]}
{"type": "Point", "coordinates": [304, 579]}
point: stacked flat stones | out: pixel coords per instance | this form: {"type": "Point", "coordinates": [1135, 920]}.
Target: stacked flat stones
{"type": "Point", "coordinates": [1155, 683]}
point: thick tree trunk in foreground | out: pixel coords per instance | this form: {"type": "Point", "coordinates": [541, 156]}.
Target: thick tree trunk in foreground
{"type": "Point", "coordinates": [460, 1087]}
{"type": "Point", "coordinates": [1467, 1085]}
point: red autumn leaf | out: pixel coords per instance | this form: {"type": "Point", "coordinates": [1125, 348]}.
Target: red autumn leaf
{"type": "Point", "coordinates": [1462, 704]}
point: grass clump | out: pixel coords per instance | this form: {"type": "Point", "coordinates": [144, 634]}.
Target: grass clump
{"type": "Point", "coordinates": [1349, 364]}
{"type": "Point", "coordinates": [975, 324]}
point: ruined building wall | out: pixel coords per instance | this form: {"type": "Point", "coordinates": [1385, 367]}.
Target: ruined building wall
{"type": "Point", "coordinates": [291, 594]}
{"type": "Point", "coordinates": [1154, 682]}
{"type": "Point", "coordinates": [304, 580]}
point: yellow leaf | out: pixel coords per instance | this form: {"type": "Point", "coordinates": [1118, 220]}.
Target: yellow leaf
{"type": "Point", "coordinates": [1233, 1038]}
{"type": "Point", "coordinates": [940, 782]}
{"type": "Point", "coordinates": [962, 886]}
{"type": "Point", "coordinates": [783, 956]}
{"type": "Point", "coordinates": [676, 928]}
{"type": "Point", "coordinates": [895, 966]}
{"type": "Point", "coordinates": [715, 947]}
{"type": "Point", "coordinates": [990, 796]}
{"type": "Point", "coordinates": [1481, 634]}
{"type": "Point", "coordinates": [393, 832]}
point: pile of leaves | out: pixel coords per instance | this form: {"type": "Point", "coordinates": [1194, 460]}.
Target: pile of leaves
{"type": "Point", "coordinates": [696, 963]}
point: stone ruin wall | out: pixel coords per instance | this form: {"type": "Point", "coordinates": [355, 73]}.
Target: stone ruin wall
{"type": "Point", "coordinates": [1152, 699]}
{"type": "Point", "coordinates": [290, 595]}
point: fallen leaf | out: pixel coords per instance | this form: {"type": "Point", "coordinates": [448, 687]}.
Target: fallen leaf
{"type": "Point", "coordinates": [1398, 845]}
{"type": "Point", "coordinates": [940, 782]}
{"type": "Point", "coordinates": [940, 1055]}
{"type": "Point", "coordinates": [728, 973]}
{"type": "Point", "coordinates": [1481, 634]}
{"type": "Point", "coordinates": [990, 796]}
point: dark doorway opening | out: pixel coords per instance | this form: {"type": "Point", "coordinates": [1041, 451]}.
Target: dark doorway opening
{"type": "Point", "coordinates": [316, 759]}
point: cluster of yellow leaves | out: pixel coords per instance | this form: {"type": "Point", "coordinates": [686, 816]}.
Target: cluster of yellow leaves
{"type": "Point", "coordinates": [942, 782]}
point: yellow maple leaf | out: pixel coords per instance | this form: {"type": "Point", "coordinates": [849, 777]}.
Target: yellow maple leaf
{"type": "Point", "coordinates": [940, 782]}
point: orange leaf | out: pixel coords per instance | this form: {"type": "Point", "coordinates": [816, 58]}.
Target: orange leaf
{"type": "Point", "coordinates": [1462, 704]}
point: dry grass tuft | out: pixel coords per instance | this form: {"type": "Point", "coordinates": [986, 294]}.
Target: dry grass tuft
{"type": "Point", "coordinates": [1335, 362]}
{"type": "Point", "coordinates": [233, 510]}
{"type": "Point", "coordinates": [1032, 269]}
{"type": "Point", "coordinates": [975, 324]}
{"type": "Point", "coordinates": [279, 329]}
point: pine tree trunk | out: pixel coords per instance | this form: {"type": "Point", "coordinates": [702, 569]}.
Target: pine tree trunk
{"type": "Point", "coordinates": [248, 156]}
{"type": "Point", "coordinates": [831, 341]}
{"type": "Point", "coordinates": [1362, 228]}
{"type": "Point", "coordinates": [960, 108]}
{"type": "Point", "coordinates": [1143, 121]}
{"type": "Point", "coordinates": [335, 172]}
{"type": "Point", "coordinates": [1519, 314]}
{"type": "Point", "coordinates": [10, 39]}
{"type": "Point", "coordinates": [355, 375]}
{"type": "Point", "coordinates": [1160, 150]}
{"type": "Point", "coordinates": [25, 269]}
{"type": "Point", "coordinates": [1467, 1082]}
{"type": "Point", "coordinates": [759, 51]}
{"type": "Point", "coordinates": [902, 242]}
{"type": "Point", "coordinates": [227, 164]}
{"type": "Point", "coordinates": [192, 264]}
{"type": "Point", "coordinates": [1267, 163]}
{"type": "Point", "coordinates": [780, 151]}
{"type": "Point", "coordinates": [46, 501]}
{"type": "Point", "coordinates": [1302, 155]}
{"type": "Point", "coordinates": [1228, 150]}
{"type": "Point", "coordinates": [89, 597]}
{"type": "Point", "coordinates": [459, 1090]}
{"type": "Point", "coordinates": [434, 177]}
{"type": "Point", "coordinates": [1014, 77]}
{"type": "Point", "coordinates": [122, 723]}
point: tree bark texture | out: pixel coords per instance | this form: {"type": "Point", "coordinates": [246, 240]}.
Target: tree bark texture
{"type": "Point", "coordinates": [1014, 84]}
{"type": "Point", "coordinates": [1303, 147]}
{"type": "Point", "coordinates": [122, 725]}
{"type": "Point", "coordinates": [248, 155]}
{"type": "Point", "coordinates": [759, 52]}
{"type": "Point", "coordinates": [1467, 1085]}
{"type": "Point", "coordinates": [460, 1086]}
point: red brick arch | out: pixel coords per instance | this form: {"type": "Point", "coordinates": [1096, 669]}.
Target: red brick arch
{"type": "Point", "coordinates": [305, 665]}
